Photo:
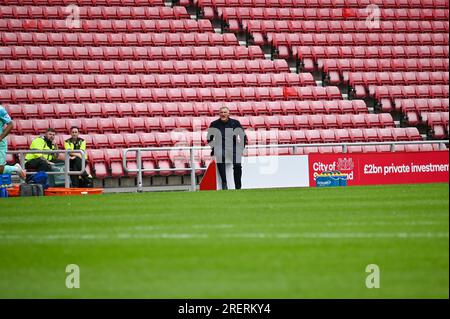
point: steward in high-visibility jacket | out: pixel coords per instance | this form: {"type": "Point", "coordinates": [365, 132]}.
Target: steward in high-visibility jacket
{"type": "Point", "coordinates": [41, 161]}
{"type": "Point", "coordinates": [77, 143]}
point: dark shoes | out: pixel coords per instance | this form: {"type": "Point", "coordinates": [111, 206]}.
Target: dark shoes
{"type": "Point", "coordinates": [225, 187]}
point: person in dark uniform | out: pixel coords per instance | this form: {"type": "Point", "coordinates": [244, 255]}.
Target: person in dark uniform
{"type": "Point", "coordinates": [75, 142]}
{"type": "Point", "coordinates": [227, 138]}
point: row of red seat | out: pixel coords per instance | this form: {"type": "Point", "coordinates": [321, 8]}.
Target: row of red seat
{"type": "Point", "coordinates": [431, 119]}
{"type": "Point", "coordinates": [241, 13]}
{"type": "Point", "coordinates": [343, 26]}
{"type": "Point", "coordinates": [437, 122]}
{"type": "Point", "coordinates": [46, 111]}
{"type": "Point", "coordinates": [16, 96]}
{"type": "Point", "coordinates": [157, 80]}
{"type": "Point", "coordinates": [118, 39]}
{"type": "Point", "coordinates": [346, 39]}
{"type": "Point", "coordinates": [320, 3]}
{"type": "Point", "coordinates": [108, 162]}
{"type": "Point", "coordinates": [393, 92]}
{"type": "Point", "coordinates": [350, 149]}
{"type": "Point", "coordinates": [144, 66]}
{"type": "Point", "coordinates": [261, 137]}
{"type": "Point", "coordinates": [378, 65]}
{"type": "Point", "coordinates": [369, 52]}
{"type": "Point", "coordinates": [175, 25]}
{"type": "Point", "coordinates": [395, 78]}
{"type": "Point", "coordinates": [130, 3]}
{"type": "Point", "coordinates": [165, 124]}
{"type": "Point", "coordinates": [435, 118]}
{"type": "Point", "coordinates": [334, 135]}
{"type": "Point", "coordinates": [122, 140]}
{"type": "Point", "coordinates": [91, 12]}
{"type": "Point", "coordinates": [421, 105]}
{"type": "Point", "coordinates": [131, 53]}
{"type": "Point", "coordinates": [107, 140]}
{"type": "Point", "coordinates": [244, 3]}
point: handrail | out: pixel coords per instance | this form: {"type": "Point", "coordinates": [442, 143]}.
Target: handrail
{"type": "Point", "coordinates": [67, 172]}
{"type": "Point", "coordinates": [191, 150]}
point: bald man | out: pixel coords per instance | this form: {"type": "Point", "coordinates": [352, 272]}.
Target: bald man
{"type": "Point", "coordinates": [227, 138]}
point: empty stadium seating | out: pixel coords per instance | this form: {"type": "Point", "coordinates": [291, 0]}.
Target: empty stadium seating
{"type": "Point", "coordinates": [241, 13]}
{"type": "Point", "coordinates": [260, 136]}
{"type": "Point", "coordinates": [141, 109]}
{"type": "Point", "coordinates": [130, 53]}
{"type": "Point", "coordinates": [369, 52]}
{"type": "Point", "coordinates": [113, 39]}
{"type": "Point", "coordinates": [89, 12]}
{"type": "Point", "coordinates": [323, 3]}
{"type": "Point", "coordinates": [167, 124]}
{"type": "Point", "coordinates": [142, 66]}
{"type": "Point", "coordinates": [294, 26]}
{"type": "Point", "coordinates": [117, 26]}
{"type": "Point", "coordinates": [149, 80]}
{"type": "Point", "coordinates": [167, 95]}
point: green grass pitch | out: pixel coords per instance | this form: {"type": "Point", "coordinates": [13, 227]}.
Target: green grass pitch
{"type": "Point", "coordinates": [273, 243]}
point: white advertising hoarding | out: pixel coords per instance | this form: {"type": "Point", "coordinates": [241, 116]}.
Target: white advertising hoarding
{"type": "Point", "coordinates": [270, 171]}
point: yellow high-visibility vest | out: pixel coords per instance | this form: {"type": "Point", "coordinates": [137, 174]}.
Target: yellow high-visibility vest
{"type": "Point", "coordinates": [80, 144]}
{"type": "Point", "coordinates": [40, 144]}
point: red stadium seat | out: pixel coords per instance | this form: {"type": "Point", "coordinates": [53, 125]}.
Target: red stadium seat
{"type": "Point", "coordinates": [100, 141]}
{"type": "Point", "coordinates": [97, 159]}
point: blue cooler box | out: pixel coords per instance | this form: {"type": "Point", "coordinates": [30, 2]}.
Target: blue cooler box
{"type": "Point", "coordinates": [331, 179]}
{"type": "Point", "coordinates": [5, 182]}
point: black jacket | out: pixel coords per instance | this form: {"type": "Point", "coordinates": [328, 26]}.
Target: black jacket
{"type": "Point", "coordinates": [223, 137]}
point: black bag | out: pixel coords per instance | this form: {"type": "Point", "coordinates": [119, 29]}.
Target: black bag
{"type": "Point", "coordinates": [31, 190]}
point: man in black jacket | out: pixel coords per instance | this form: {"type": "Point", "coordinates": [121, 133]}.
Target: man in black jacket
{"type": "Point", "coordinates": [227, 138]}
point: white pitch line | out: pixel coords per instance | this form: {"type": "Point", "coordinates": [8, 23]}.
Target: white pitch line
{"type": "Point", "coordinates": [128, 236]}
{"type": "Point", "coordinates": [341, 235]}
{"type": "Point", "coordinates": [271, 225]}
{"type": "Point", "coordinates": [183, 226]}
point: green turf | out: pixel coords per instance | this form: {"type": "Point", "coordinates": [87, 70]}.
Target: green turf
{"type": "Point", "coordinates": [279, 243]}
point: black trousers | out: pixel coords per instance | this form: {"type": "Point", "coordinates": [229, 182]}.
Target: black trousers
{"type": "Point", "coordinates": [237, 174]}
{"type": "Point", "coordinates": [75, 165]}
{"type": "Point", "coordinates": [38, 164]}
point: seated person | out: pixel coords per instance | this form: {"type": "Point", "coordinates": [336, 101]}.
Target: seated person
{"type": "Point", "coordinates": [77, 143]}
{"type": "Point", "coordinates": [43, 162]}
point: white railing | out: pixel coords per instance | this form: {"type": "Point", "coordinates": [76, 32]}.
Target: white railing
{"type": "Point", "coordinates": [67, 172]}
{"type": "Point", "coordinates": [139, 150]}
